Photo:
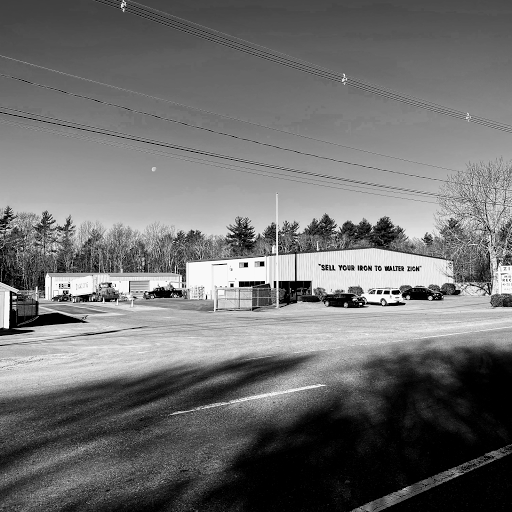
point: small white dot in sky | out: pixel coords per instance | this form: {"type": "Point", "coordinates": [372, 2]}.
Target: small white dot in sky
{"type": "Point", "coordinates": [153, 169]}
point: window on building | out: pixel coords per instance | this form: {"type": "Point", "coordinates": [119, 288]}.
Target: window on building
{"type": "Point", "coordinates": [259, 263]}
{"type": "Point", "coordinates": [243, 264]}
{"type": "Point", "coordinates": [244, 284]}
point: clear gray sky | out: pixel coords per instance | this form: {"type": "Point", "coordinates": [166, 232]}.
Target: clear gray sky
{"type": "Point", "coordinates": [455, 53]}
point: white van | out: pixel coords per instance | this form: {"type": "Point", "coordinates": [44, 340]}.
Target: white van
{"type": "Point", "coordinates": [383, 296]}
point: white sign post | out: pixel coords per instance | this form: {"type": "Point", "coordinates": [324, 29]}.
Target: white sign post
{"type": "Point", "coordinates": [505, 279]}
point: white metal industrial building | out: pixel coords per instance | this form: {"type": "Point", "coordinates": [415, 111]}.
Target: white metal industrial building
{"type": "Point", "coordinates": [301, 273]}
{"type": "Point", "coordinates": [126, 282]}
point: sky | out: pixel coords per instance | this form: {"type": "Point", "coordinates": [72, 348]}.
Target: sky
{"type": "Point", "coordinates": [453, 53]}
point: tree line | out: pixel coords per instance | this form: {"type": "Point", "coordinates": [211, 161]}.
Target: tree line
{"type": "Point", "coordinates": [32, 245]}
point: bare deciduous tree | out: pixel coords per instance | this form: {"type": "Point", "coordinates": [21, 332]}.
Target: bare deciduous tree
{"type": "Point", "coordinates": [480, 199]}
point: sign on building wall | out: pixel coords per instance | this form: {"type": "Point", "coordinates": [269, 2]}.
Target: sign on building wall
{"type": "Point", "coordinates": [505, 278]}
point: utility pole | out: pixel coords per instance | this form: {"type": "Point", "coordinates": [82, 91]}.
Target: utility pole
{"type": "Point", "coordinates": [277, 250]}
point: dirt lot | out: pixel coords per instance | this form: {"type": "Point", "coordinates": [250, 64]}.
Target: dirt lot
{"type": "Point", "coordinates": [169, 406]}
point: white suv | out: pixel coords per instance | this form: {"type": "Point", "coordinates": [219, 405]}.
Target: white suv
{"type": "Point", "coordinates": [383, 296]}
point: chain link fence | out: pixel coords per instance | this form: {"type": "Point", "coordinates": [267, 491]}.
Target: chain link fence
{"type": "Point", "coordinates": [25, 307]}
{"type": "Point", "coordinates": [246, 298]}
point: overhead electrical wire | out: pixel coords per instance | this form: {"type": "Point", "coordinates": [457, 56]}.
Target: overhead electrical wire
{"type": "Point", "coordinates": [313, 178]}
{"type": "Point", "coordinates": [210, 163]}
{"type": "Point", "coordinates": [13, 112]}
{"type": "Point", "coordinates": [224, 116]}
{"type": "Point", "coordinates": [296, 173]}
{"type": "Point", "coordinates": [211, 130]}
{"type": "Point", "coordinates": [24, 115]}
{"type": "Point", "coordinates": [263, 52]}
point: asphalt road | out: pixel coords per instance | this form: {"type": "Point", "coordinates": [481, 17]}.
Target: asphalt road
{"type": "Point", "coordinates": [168, 406]}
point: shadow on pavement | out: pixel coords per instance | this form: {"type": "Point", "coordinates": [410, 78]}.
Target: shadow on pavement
{"type": "Point", "coordinates": [54, 319]}
{"type": "Point", "coordinates": [10, 332]}
{"type": "Point", "coordinates": [112, 445]}
{"type": "Point", "coordinates": [415, 416]}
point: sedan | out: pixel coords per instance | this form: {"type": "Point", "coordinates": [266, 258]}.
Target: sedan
{"type": "Point", "coordinates": [347, 300]}
{"type": "Point", "coordinates": [420, 292]}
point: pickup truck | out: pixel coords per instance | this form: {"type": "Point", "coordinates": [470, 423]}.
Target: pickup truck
{"type": "Point", "coordinates": [163, 293]}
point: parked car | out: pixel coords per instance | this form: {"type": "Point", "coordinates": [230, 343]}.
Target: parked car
{"type": "Point", "coordinates": [163, 293]}
{"type": "Point", "coordinates": [421, 292]}
{"type": "Point", "coordinates": [383, 296]}
{"type": "Point", "coordinates": [347, 300]}
{"type": "Point", "coordinates": [62, 298]}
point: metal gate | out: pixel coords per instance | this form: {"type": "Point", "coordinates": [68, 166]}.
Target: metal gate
{"type": "Point", "coordinates": [232, 299]}
{"type": "Point", "coordinates": [243, 298]}
{"type": "Point", "coordinates": [25, 307]}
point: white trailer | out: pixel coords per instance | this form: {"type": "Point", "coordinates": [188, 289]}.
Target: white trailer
{"type": "Point", "coordinates": [82, 288]}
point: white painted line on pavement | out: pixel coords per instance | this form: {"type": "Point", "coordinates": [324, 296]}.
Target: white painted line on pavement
{"type": "Point", "coordinates": [247, 398]}
{"type": "Point", "coordinates": [433, 481]}
{"type": "Point", "coordinates": [465, 332]}
{"type": "Point", "coordinates": [386, 342]}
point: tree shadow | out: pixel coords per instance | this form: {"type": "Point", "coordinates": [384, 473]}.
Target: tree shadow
{"type": "Point", "coordinates": [410, 415]}
{"type": "Point", "coordinates": [415, 416]}
{"type": "Point", "coordinates": [102, 442]}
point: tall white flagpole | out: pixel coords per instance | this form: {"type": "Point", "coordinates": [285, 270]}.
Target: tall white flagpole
{"type": "Point", "coordinates": [277, 250]}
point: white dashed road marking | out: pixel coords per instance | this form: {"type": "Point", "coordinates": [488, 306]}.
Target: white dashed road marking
{"type": "Point", "coordinates": [433, 481]}
{"type": "Point", "coordinates": [247, 399]}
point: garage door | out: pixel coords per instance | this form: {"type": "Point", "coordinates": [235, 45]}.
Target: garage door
{"type": "Point", "coordinates": [220, 274]}
{"type": "Point", "coordinates": [139, 286]}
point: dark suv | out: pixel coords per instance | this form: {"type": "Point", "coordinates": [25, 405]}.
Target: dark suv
{"type": "Point", "coordinates": [420, 292]}
{"type": "Point", "coordinates": [347, 300]}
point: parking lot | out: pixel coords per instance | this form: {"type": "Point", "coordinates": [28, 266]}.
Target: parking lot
{"type": "Point", "coordinates": [167, 405]}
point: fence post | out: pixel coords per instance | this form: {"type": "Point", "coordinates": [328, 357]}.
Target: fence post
{"type": "Point", "coordinates": [214, 299]}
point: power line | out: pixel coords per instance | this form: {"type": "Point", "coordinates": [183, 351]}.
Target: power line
{"type": "Point", "coordinates": [283, 59]}
{"type": "Point", "coordinates": [305, 175]}
{"type": "Point", "coordinates": [20, 114]}
{"type": "Point", "coordinates": [211, 130]}
{"type": "Point", "coordinates": [224, 116]}
{"type": "Point", "coordinates": [210, 163]}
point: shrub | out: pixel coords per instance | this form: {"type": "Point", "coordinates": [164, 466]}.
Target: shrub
{"type": "Point", "coordinates": [355, 289]}
{"type": "Point", "coordinates": [501, 300]}
{"type": "Point", "coordinates": [448, 289]}
{"type": "Point", "coordinates": [434, 287]}
{"type": "Point", "coordinates": [405, 287]}
{"type": "Point", "coordinates": [308, 298]}
{"type": "Point", "coordinates": [319, 292]}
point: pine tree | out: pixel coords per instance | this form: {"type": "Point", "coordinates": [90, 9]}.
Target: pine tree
{"type": "Point", "coordinates": [313, 229]}
{"type": "Point", "coordinates": [383, 233]}
{"type": "Point", "coordinates": [288, 236]}
{"type": "Point", "coordinates": [241, 236]}
{"type": "Point", "coordinates": [65, 254]}
{"type": "Point", "coordinates": [46, 232]}
{"type": "Point", "coordinates": [6, 227]}
{"type": "Point", "coordinates": [269, 233]}
{"type": "Point", "coordinates": [348, 230]}
{"type": "Point", "coordinates": [363, 231]}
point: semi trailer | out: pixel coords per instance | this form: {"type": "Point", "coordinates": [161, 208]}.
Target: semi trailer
{"type": "Point", "coordinates": [84, 289]}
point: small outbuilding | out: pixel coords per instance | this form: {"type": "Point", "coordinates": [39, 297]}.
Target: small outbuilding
{"type": "Point", "coordinates": [6, 299]}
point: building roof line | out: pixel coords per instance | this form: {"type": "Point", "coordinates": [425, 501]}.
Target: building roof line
{"type": "Point", "coordinates": [321, 252]}
{"type": "Point", "coordinates": [8, 288]}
